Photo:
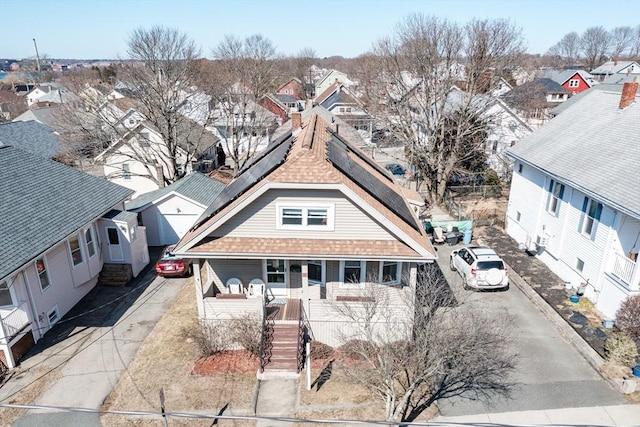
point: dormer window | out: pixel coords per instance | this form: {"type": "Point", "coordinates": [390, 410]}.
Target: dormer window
{"type": "Point", "coordinates": [305, 217]}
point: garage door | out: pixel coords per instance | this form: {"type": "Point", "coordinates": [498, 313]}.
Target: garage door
{"type": "Point", "coordinates": [171, 227]}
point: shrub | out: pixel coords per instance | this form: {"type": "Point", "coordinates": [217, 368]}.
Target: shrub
{"type": "Point", "coordinates": [357, 349]}
{"type": "Point", "coordinates": [211, 337]}
{"type": "Point", "coordinates": [320, 350]}
{"type": "Point", "coordinates": [628, 316]}
{"type": "Point", "coordinates": [621, 348]}
{"type": "Point", "coordinates": [492, 178]}
{"type": "Point", "coordinates": [246, 331]}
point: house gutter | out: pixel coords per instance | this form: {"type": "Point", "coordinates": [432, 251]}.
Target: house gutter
{"type": "Point", "coordinates": [580, 188]}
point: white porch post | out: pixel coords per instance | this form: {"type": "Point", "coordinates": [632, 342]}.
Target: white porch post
{"type": "Point", "coordinates": [305, 287]}
{"type": "Point", "coordinates": [634, 285]}
{"type": "Point", "coordinates": [197, 281]}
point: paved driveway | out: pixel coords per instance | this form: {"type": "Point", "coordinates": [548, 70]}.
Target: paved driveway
{"type": "Point", "coordinates": [93, 348]}
{"type": "Point", "coordinates": [550, 373]}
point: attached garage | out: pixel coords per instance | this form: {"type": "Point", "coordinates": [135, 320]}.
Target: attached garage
{"type": "Point", "coordinates": [169, 212]}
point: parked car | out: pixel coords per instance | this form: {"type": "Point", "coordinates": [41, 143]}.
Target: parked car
{"type": "Point", "coordinates": [466, 179]}
{"type": "Point", "coordinates": [480, 267]}
{"type": "Point", "coordinates": [395, 168]}
{"type": "Point", "coordinates": [170, 265]}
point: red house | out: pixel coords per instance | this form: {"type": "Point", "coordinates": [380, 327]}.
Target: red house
{"type": "Point", "coordinates": [575, 81]}
{"type": "Point", "coordinates": [293, 88]}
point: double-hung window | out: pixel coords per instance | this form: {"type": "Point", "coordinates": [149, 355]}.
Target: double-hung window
{"type": "Point", "coordinates": [309, 217]}
{"type": "Point", "coordinates": [352, 273]}
{"type": "Point", "coordinates": [91, 245]}
{"type": "Point", "coordinates": [126, 172]}
{"type": "Point", "coordinates": [556, 192]}
{"type": "Point", "coordinates": [591, 216]}
{"type": "Point", "coordinates": [76, 251]}
{"type": "Point", "coordinates": [43, 276]}
{"type": "Point", "coordinates": [390, 272]}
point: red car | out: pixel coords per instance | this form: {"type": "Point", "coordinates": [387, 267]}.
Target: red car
{"type": "Point", "coordinates": [170, 265]}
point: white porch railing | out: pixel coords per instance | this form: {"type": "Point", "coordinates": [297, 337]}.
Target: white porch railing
{"type": "Point", "coordinates": [13, 323]}
{"type": "Point", "coordinates": [623, 268]}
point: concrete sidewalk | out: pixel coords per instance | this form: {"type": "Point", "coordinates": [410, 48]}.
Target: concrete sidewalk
{"type": "Point", "coordinates": [621, 415]}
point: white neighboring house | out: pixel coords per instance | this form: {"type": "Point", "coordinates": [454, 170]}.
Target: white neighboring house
{"type": "Point", "coordinates": [169, 212]}
{"type": "Point", "coordinates": [50, 93]}
{"type": "Point", "coordinates": [610, 68]}
{"type": "Point", "coordinates": [575, 198]}
{"type": "Point", "coordinates": [59, 228]}
{"type": "Point", "coordinates": [139, 159]}
{"type": "Point", "coordinates": [329, 78]}
{"type": "Point", "coordinates": [505, 127]}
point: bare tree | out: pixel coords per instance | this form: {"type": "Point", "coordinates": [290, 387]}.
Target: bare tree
{"type": "Point", "coordinates": [302, 63]}
{"type": "Point", "coordinates": [621, 41]}
{"type": "Point", "coordinates": [163, 85]}
{"type": "Point", "coordinates": [426, 348]}
{"type": "Point", "coordinates": [412, 74]}
{"type": "Point", "coordinates": [244, 71]}
{"type": "Point", "coordinates": [594, 44]}
{"type": "Point", "coordinates": [635, 46]}
{"type": "Point", "coordinates": [568, 48]}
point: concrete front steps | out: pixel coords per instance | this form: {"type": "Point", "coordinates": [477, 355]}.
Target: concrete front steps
{"type": "Point", "coordinates": [115, 275]}
{"type": "Point", "coordinates": [284, 351]}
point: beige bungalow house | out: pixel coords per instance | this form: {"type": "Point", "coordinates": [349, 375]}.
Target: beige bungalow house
{"type": "Point", "coordinates": [310, 222]}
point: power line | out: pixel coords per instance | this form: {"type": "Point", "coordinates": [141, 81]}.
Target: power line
{"type": "Point", "coordinates": [189, 415]}
{"type": "Point", "coordinates": [108, 330]}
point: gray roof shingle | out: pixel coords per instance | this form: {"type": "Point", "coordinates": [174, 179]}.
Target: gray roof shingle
{"type": "Point", "coordinates": [31, 136]}
{"type": "Point", "coordinates": [592, 146]}
{"type": "Point", "coordinates": [43, 202]}
{"type": "Point", "coordinates": [195, 186]}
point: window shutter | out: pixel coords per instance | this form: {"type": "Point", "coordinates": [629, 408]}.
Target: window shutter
{"type": "Point", "coordinates": [551, 186]}
{"type": "Point", "coordinates": [561, 192]}
{"type": "Point", "coordinates": [585, 204]}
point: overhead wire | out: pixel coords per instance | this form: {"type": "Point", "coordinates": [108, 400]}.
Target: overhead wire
{"type": "Point", "coordinates": [147, 296]}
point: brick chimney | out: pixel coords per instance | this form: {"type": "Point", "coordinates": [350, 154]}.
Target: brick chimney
{"type": "Point", "coordinates": [629, 91]}
{"type": "Point", "coordinates": [296, 121]}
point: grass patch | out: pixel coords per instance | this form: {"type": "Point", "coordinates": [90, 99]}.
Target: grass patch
{"type": "Point", "coordinates": [165, 361]}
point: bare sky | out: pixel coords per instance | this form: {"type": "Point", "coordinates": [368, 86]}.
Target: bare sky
{"type": "Point", "coordinates": [93, 29]}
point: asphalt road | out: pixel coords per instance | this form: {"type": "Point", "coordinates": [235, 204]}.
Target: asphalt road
{"type": "Point", "coordinates": [550, 372]}
{"type": "Point", "coordinates": [95, 348]}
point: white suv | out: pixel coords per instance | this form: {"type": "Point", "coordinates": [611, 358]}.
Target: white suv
{"type": "Point", "coordinates": [480, 268]}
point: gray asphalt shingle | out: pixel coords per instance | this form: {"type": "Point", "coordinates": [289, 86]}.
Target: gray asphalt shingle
{"type": "Point", "coordinates": [194, 186]}
{"type": "Point", "coordinates": [31, 136]}
{"type": "Point", "coordinates": [42, 202]}
{"type": "Point", "coordinates": [593, 146]}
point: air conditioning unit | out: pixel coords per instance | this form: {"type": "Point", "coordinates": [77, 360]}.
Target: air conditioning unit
{"type": "Point", "coordinates": [542, 240]}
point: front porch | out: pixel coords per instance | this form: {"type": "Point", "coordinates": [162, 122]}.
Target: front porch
{"type": "Point", "coordinates": [14, 325]}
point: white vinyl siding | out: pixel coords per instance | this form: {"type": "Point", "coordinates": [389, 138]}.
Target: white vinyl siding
{"type": "Point", "coordinates": [260, 217]}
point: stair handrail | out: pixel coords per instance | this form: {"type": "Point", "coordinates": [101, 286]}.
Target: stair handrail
{"type": "Point", "coordinates": [266, 336]}
{"type": "Point", "coordinates": [305, 333]}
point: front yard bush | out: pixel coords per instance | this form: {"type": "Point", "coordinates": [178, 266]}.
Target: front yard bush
{"type": "Point", "coordinates": [246, 331]}
{"type": "Point", "coordinates": [211, 337]}
{"type": "Point", "coordinates": [621, 348]}
{"type": "Point", "coordinates": [320, 350]}
{"type": "Point", "coordinates": [628, 316]}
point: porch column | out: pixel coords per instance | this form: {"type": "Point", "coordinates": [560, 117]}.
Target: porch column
{"type": "Point", "coordinates": [634, 285]}
{"type": "Point", "coordinates": [305, 287]}
{"type": "Point", "coordinates": [413, 279]}
{"type": "Point", "coordinates": [197, 281]}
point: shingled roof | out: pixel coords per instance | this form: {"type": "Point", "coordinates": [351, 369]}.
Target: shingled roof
{"type": "Point", "coordinates": [44, 202]}
{"type": "Point", "coordinates": [195, 186]}
{"type": "Point", "coordinates": [31, 136]}
{"type": "Point", "coordinates": [318, 156]}
{"type": "Point", "coordinates": [593, 147]}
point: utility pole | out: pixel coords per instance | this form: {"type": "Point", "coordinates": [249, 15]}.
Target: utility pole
{"type": "Point", "coordinates": [37, 55]}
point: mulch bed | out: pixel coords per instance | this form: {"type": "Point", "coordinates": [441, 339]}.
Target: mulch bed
{"type": "Point", "coordinates": [227, 362]}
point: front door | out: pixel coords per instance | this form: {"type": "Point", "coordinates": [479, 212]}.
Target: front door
{"type": "Point", "coordinates": [277, 277]}
{"type": "Point", "coordinates": [113, 241]}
